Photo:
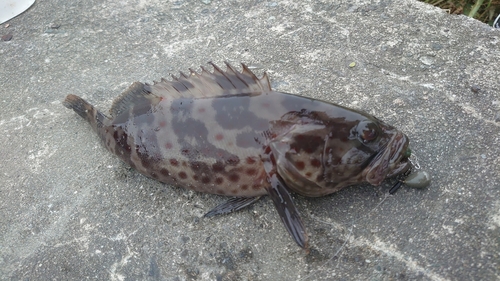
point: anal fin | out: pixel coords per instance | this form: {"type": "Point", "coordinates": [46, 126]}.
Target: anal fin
{"type": "Point", "coordinates": [232, 205]}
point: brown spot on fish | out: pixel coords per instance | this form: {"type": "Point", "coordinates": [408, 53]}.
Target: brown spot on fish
{"type": "Point", "coordinates": [219, 137]}
{"type": "Point", "coordinates": [168, 145]}
{"type": "Point", "coordinates": [218, 167]}
{"type": "Point", "coordinates": [308, 174]}
{"type": "Point", "coordinates": [256, 186]}
{"type": "Point", "coordinates": [196, 178]}
{"type": "Point", "coordinates": [174, 162]}
{"type": "Point", "coordinates": [244, 186]}
{"type": "Point", "coordinates": [234, 177]}
{"type": "Point", "coordinates": [154, 175]}
{"type": "Point", "coordinates": [300, 165]}
{"type": "Point", "coordinates": [233, 160]}
{"type": "Point", "coordinates": [219, 181]}
{"type": "Point", "coordinates": [183, 175]}
{"type": "Point", "coordinates": [162, 123]}
{"type": "Point", "coordinates": [205, 180]}
{"type": "Point", "coordinates": [164, 172]}
{"type": "Point", "coordinates": [234, 191]}
{"type": "Point", "coordinates": [315, 163]}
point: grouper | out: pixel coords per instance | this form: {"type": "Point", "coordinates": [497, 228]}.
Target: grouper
{"type": "Point", "coordinates": [227, 132]}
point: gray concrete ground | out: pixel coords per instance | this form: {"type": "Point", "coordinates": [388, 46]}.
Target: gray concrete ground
{"type": "Point", "coordinates": [69, 210]}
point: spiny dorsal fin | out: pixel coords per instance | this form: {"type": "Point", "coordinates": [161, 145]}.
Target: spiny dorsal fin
{"type": "Point", "coordinates": [211, 84]}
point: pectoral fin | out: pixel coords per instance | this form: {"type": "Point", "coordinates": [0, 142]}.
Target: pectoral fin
{"type": "Point", "coordinates": [232, 205]}
{"type": "Point", "coordinates": [287, 211]}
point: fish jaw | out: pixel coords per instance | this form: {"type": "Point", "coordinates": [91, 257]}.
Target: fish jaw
{"type": "Point", "coordinates": [390, 160]}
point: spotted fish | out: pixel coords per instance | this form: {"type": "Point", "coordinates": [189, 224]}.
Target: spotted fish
{"type": "Point", "coordinates": [228, 133]}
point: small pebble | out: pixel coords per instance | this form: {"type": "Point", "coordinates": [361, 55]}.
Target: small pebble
{"type": "Point", "coordinates": [475, 88]}
{"type": "Point", "coordinates": [436, 46]}
{"type": "Point", "coordinates": [7, 37]}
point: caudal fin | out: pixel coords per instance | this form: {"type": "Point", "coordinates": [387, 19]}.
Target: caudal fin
{"type": "Point", "coordinates": [85, 110]}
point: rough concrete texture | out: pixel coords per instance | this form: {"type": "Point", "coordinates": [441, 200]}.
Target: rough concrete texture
{"type": "Point", "coordinates": [69, 210]}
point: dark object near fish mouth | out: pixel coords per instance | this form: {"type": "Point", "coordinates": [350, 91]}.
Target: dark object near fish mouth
{"type": "Point", "coordinates": [416, 179]}
{"type": "Point", "coordinates": [400, 181]}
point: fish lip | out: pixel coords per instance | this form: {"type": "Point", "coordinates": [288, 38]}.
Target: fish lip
{"type": "Point", "coordinates": [389, 161]}
{"type": "Point", "coordinates": [401, 167]}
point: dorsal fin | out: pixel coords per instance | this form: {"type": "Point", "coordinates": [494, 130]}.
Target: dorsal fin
{"type": "Point", "coordinates": [211, 84]}
{"type": "Point", "coordinates": [136, 98]}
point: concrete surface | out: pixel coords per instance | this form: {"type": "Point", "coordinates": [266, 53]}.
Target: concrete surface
{"type": "Point", "coordinates": [69, 210]}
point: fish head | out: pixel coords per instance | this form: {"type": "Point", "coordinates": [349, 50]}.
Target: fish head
{"type": "Point", "coordinates": [319, 154]}
{"type": "Point", "coordinates": [389, 148]}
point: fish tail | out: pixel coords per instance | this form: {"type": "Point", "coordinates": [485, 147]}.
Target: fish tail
{"type": "Point", "coordinates": [85, 110]}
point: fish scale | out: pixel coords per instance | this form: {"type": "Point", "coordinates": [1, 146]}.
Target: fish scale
{"type": "Point", "coordinates": [228, 133]}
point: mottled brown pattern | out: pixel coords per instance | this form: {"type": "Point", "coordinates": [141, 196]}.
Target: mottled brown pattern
{"type": "Point", "coordinates": [228, 133]}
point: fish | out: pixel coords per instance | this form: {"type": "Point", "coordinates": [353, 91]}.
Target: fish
{"type": "Point", "coordinates": [226, 132]}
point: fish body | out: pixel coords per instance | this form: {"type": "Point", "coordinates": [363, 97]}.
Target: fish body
{"type": "Point", "coordinates": [228, 133]}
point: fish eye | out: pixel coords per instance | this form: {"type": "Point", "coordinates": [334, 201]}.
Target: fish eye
{"type": "Point", "coordinates": [367, 131]}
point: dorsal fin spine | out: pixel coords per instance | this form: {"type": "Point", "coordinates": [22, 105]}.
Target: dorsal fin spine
{"type": "Point", "coordinates": [221, 72]}
{"type": "Point", "coordinates": [236, 73]}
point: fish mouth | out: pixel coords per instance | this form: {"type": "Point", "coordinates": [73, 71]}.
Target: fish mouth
{"type": "Point", "coordinates": [391, 160]}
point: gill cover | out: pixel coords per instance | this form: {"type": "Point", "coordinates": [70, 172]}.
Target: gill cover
{"type": "Point", "coordinates": [319, 155]}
